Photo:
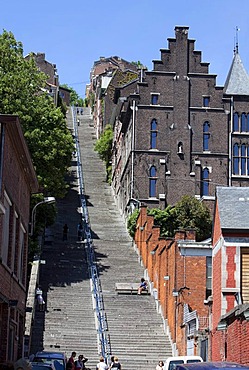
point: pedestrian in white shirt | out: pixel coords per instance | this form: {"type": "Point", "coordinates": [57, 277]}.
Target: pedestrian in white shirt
{"type": "Point", "coordinates": [102, 365]}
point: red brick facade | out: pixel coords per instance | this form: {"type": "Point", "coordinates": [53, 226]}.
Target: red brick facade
{"type": "Point", "coordinates": [229, 325]}
{"type": "Point", "coordinates": [17, 182]}
{"type": "Point", "coordinates": [178, 278]}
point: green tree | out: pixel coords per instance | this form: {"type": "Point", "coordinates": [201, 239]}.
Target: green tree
{"type": "Point", "coordinates": [132, 223]}
{"type": "Point", "coordinates": [187, 213]}
{"type": "Point", "coordinates": [164, 219]}
{"type": "Point", "coordinates": [103, 147]}
{"type": "Point", "coordinates": [22, 92]}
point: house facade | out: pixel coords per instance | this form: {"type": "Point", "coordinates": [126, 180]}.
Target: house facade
{"type": "Point", "coordinates": [102, 73]}
{"type": "Point", "coordinates": [17, 182]}
{"type": "Point", "coordinates": [50, 70]}
{"type": "Point", "coordinates": [178, 132]}
{"type": "Point", "coordinates": [179, 272]}
{"type": "Point", "coordinates": [230, 309]}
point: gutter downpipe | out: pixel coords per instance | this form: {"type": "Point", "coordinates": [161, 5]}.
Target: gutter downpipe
{"type": "Point", "coordinates": [133, 108]}
{"type": "Point", "coordinates": [230, 146]}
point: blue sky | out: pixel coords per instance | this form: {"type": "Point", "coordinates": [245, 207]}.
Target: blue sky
{"type": "Point", "coordinates": [75, 34]}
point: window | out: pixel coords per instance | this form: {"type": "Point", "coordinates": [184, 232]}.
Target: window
{"type": "Point", "coordinates": [154, 99]}
{"type": "Point", "coordinates": [21, 274]}
{"type": "Point", "coordinates": [241, 159]}
{"type": "Point", "coordinates": [236, 159]}
{"type": "Point", "coordinates": [243, 122]}
{"type": "Point", "coordinates": [206, 135]}
{"type": "Point", "coordinates": [6, 229]}
{"type": "Point", "coordinates": [208, 276]}
{"type": "Point", "coordinates": [206, 101]}
{"type": "Point", "coordinates": [152, 187]}
{"type": "Point", "coordinates": [205, 182]}
{"type": "Point", "coordinates": [236, 122]}
{"type": "Point", "coordinates": [153, 134]}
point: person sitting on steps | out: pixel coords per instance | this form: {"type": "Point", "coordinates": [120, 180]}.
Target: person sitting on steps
{"type": "Point", "coordinates": [143, 286]}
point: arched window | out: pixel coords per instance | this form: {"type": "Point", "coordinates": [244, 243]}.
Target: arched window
{"type": "Point", "coordinates": [235, 122]}
{"type": "Point", "coordinates": [153, 134]}
{"type": "Point", "coordinates": [243, 122]}
{"type": "Point", "coordinates": [243, 159]}
{"type": "Point", "coordinates": [153, 179]}
{"type": "Point", "coordinates": [236, 159]}
{"type": "Point", "coordinates": [205, 182]}
{"type": "Point", "coordinates": [206, 135]}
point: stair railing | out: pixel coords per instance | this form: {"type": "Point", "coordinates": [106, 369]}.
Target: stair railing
{"type": "Point", "coordinates": [98, 303]}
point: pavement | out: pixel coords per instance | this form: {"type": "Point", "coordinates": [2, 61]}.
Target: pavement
{"type": "Point", "coordinates": [134, 327]}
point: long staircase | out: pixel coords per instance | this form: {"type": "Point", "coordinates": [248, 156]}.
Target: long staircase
{"type": "Point", "coordinates": [135, 329]}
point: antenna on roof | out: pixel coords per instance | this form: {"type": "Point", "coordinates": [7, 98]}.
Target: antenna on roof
{"type": "Point", "coordinates": [236, 41]}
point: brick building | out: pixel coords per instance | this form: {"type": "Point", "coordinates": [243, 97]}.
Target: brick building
{"type": "Point", "coordinates": [179, 273]}
{"type": "Point", "coordinates": [17, 182]}
{"type": "Point", "coordinates": [102, 73]}
{"type": "Point", "coordinates": [50, 70]}
{"type": "Point", "coordinates": [230, 309]}
{"type": "Point", "coordinates": [178, 133]}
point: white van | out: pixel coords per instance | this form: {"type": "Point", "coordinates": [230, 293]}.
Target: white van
{"type": "Point", "coordinates": [171, 362]}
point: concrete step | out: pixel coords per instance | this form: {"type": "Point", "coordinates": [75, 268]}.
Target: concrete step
{"type": "Point", "coordinates": [135, 329]}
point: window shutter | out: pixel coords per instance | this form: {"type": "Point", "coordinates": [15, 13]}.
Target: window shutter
{"type": "Point", "coordinates": [245, 275]}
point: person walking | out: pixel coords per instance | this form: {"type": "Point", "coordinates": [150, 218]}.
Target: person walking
{"type": "Point", "coordinates": [116, 364]}
{"type": "Point", "coordinates": [101, 365]}
{"type": "Point", "coordinates": [72, 360]}
{"type": "Point", "coordinates": [80, 363]}
{"type": "Point", "coordinates": [80, 231]}
{"type": "Point", "coordinates": [65, 232]}
{"type": "Point", "coordinates": [160, 365]}
{"type": "Point", "coordinates": [39, 299]}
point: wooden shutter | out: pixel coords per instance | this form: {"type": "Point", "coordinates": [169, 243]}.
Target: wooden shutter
{"type": "Point", "coordinates": [245, 275]}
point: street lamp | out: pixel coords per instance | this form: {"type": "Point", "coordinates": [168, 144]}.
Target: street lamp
{"type": "Point", "coordinates": [47, 200]}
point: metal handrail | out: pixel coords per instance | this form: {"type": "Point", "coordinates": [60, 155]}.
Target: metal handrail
{"type": "Point", "coordinates": [102, 328]}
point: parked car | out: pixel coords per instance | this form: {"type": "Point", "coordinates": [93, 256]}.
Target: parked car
{"type": "Point", "coordinates": [171, 362]}
{"type": "Point", "coordinates": [212, 366]}
{"type": "Point", "coordinates": [42, 366]}
{"type": "Point", "coordinates": [58, 359]}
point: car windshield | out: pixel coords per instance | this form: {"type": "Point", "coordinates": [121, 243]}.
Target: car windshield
{"type": "Point", "coordinates": [41, 366]}
{"type": "Point", "coordinates": [192, 361]}
{"type": "Point", "coordinates": [58, 363]}
{"type": "Point", "coordinates": [172, 364]}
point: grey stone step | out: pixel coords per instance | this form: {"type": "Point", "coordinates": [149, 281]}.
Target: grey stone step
{"type": "Point", "coordinates": [69, 323]}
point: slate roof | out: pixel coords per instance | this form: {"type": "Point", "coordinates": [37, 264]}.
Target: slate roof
{"type": "Point", "coordinates": [233, 205]}
{"type": "Point", "coordinates": [237, 82]}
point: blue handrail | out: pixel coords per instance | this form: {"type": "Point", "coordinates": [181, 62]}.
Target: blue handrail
{"type": "Point", "coordinates": [103, 338]}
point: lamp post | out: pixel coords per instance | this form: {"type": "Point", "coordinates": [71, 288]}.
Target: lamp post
{"type": "Point", "coordinates": [47, 200]}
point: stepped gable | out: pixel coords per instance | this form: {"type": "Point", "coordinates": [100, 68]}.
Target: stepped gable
{"type": "Point", "coordinates": [180, 48]}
